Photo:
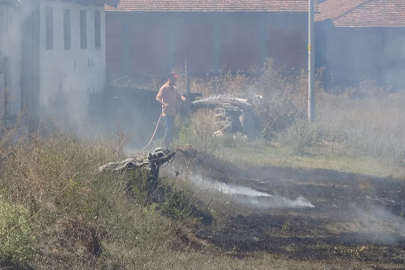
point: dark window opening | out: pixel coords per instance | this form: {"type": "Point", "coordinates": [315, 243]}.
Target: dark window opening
{"type": "Point", "coordinates": [49, 28]}
{"type": "Point", "coordinates": [66, 29]}
{"type": "Point", "coordinates": [5, 88]}
{"type": "Point", "coordinates": [5, 21]}
{"type": "Point", "coordinates": [97, 27]}
{"type": "Point", "coordinates": [83, 30]}
{"type": "Point", "coordinates": [1, 24]}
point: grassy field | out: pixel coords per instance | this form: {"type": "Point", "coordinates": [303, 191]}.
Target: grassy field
{"type": "Point", "coordinates": [64, 214]}
{"type": "Point", "coordinates": [58, 212]}
{"type": "Point", "coordinates": [328, 157]}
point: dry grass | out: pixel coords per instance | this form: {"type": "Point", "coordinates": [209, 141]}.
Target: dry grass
{"type": "Point", "coordinates": [80, 219]}
{"type": "Point", "coordinates": [198, 131]}
{"type": "Point", "coordinates": [76, 218]}
{"type": "Point", "coordinates": [372, 126]}
{"type": "Point", "coordinates": [362, 120]}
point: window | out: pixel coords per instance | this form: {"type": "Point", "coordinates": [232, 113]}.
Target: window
{"type": "Point", "coordinates": [5, 21]}
{"type": "Point", "coordinates": [1, 23]}
{"type": "Point", "coordinates": [97, 28]}
{"type": "Point", "coordinates": [66, 29]}
{"type": "Point", "coordinates": [378, 38]}
{"type": "Point", "coordinates": [83, 30]}
{"type": "Point", "coordinates": [48, 28]}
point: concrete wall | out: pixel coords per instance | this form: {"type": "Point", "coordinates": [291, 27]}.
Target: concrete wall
{"type": "Point", "coordinates": [155, 43]}
{"type": "Point", "coordinates": [71, 75]}
{"type": "Point", "coordinates": [352, 54]}
{"type": "Point", "coordinates": [10, 48]}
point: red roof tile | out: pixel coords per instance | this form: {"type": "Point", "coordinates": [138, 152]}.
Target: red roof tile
{"type": "Point", "coordinates": [211, 6]}
{"type": "Point", "coordinates": [363, 13]}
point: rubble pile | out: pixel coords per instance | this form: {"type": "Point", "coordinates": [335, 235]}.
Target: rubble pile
{"type": "Point", "coordinates": [232, 114]}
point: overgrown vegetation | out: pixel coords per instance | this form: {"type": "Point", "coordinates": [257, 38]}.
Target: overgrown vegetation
{"type": "Point", "coordinates": [364, 118]}
{"type": "Point", "coordinates": [16, 239]}
{"type": "Point", "coordinates": [57, 211]}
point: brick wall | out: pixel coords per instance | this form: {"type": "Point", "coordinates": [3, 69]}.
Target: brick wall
{"type": "Point", "coordinates": [195, 42]}
{"type": "Point", "coordinates": [114, 38]}
{"type": "Point", "coordinates": [240, 45]}
{"type": "Point", "coordinates": [287, 46]}
{"type": "Point", "coordinates": [158, 42]}
{"type": "Point", "coordinates": [147, 51]}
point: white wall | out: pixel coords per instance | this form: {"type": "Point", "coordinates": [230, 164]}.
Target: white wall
{"type": "Point", "coordinates": [10, 46]}
{"type": "Point", "coordinates": [76, 72]}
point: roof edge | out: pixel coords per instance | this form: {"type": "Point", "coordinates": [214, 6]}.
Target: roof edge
{"type": "Point", "coordinates": [203, 12]}
{"type": "Point", "coordinates": [13, 3]}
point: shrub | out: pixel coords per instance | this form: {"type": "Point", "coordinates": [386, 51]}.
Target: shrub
{"type": "Point", "coordinates": [276, 113]}
{"type": "Point", "coordinates": [199, 131]}
{"type": "Point", "coordinates": [16, 239]}
{"type": "Point", "coordinates": [282, 101]}
{"type": "Point", "coordinates": [300, 136]}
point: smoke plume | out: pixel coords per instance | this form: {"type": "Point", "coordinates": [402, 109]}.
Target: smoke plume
{"type": "Point", "coordinates": [249, 196]}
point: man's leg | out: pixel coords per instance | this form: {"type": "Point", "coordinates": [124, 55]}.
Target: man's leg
{"type": "Point", "coordinates": [169, 131]}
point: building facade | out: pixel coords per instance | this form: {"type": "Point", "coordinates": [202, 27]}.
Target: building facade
{"type": "Point", "coordinates": [153, 37]}
{"type": "Point", "coordinates": [72, 49]}
{"type": "Point", "coordinates": [57, 54]}
{"type": "Point", "coordinates": [362, 40]}
{"type": "Point", "coordinates": [10, 58]}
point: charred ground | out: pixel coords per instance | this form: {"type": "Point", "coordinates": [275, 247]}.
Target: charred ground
{"type": "Point", "coordinates": [356, 218]}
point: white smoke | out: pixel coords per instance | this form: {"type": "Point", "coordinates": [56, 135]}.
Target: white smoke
{"type": "Point", "coordinates": [248, 195]}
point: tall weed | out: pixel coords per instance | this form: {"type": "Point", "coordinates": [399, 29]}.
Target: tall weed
{"type": "Point", "coordinates": [199, 131]}
{"type": "Point", "coordinates": [300, 137]}
{"type": "Point", "coordinates": [372, 126]}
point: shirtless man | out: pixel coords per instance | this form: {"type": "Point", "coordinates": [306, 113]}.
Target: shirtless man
{"type": "Point", "coordinates": [169, 96]}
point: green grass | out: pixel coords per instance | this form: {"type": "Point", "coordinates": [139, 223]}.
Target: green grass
{"type": "Point", "coordinates": [262, 154]}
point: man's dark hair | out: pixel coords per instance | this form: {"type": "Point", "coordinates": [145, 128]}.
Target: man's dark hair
{"type": "Point", "coordinates": [172, 75]}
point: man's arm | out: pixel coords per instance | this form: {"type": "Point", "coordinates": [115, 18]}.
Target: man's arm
{"type": "Point", "coordinates": [184, 99]}
{"type": "Point", "coordinates": [181, 97]}
{"type": "Point", "coordinates": [159, 97]}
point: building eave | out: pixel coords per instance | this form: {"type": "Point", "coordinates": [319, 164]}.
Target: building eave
{"type": "Point", "coordinates": [13, 3]}
{"type": "Point", "coordinates": [113, 3]}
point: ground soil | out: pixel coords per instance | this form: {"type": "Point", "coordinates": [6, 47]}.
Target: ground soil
{"type": "Point", "coordinates": [357, 218]}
